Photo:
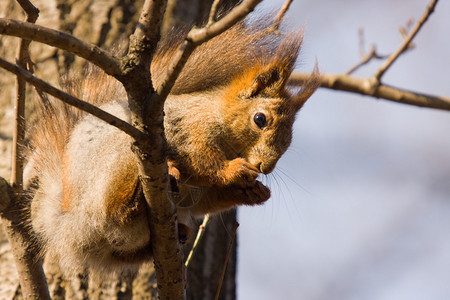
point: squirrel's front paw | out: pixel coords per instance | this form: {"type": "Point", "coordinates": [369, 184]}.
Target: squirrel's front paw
{"type": "Point", "coordinates": [239, 172]}
{"type": "Point", "coordinates": [174, 177]}
{"type": "Point", "coordinates": [253, 195]}
{"type": "Point", "coordinates": [173, 170]}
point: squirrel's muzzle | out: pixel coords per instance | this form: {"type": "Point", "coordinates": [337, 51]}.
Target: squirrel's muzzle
{"type": "Point", "coordinates": [265, 166]}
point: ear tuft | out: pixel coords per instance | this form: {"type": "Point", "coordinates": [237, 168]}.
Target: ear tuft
{"type": "Point", "coordinates": [307, 89]}
{"type": "Point", "coordinates": [271, 80]}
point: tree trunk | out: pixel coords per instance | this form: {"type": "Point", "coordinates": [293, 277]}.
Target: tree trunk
{"type": "Point", "coordinates": [108, 24]}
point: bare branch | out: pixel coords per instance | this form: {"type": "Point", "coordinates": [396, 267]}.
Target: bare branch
{"type": "Point", "coordinates": [280, 16]}
{"type": "Point", "coordinates": [370, 87]}
{"type": "Point", "coordinates": [136, 64]}
{"type": "Point", "coordinates": [429, 10]}
{"type": "Point", "coordinates": [31, 275]}
{"type": "Point", "coordinates": [201, 230]}
{"type": "Point", "coordinates": [366, 59]}
{"type": "Point", "coordinates": [405, 29]}
{"type": "Point", "coordinates": [71, 100]}
{"type": "Point", "coordinates": [31, 11]}
{"type": "Point", "coordinates": [146, 36]}
{"type": "Point", "coordinates": [62, 41]}
{"type": "Point", "coordinates": [213, 13]}
{"type": "Point", "coordinates": [362, 42]}
{"type": "Point", "coordinates": [29, 267]}
{"type": "Point", "coordinates": [198, 36]}
{"type": "Point", "coordinates": [19, 128]}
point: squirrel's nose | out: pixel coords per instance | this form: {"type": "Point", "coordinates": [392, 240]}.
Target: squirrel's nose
{"type": "Point", "coordinates": [267, 167]}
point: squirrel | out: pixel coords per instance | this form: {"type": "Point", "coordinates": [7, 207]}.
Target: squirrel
{"type": "Point", "coordinates": [228, 119]}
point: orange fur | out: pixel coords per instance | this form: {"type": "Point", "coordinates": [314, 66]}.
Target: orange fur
{"type": "Point", "coordinates": [120, 203]}
{"type": "Point", "coordinates": [67, 194]}
{"type": "Point", "coordinates": [89, 207]}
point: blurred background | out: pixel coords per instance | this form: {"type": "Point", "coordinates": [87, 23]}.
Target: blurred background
{"type": "Point", "coordinates": [361, 201]}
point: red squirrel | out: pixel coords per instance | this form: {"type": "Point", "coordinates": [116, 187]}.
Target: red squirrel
{"type": "Point", "coordinates": [228, 118]}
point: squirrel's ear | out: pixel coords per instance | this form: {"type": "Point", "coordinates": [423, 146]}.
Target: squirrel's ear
{"type": "Point", "coordinates": [270, 79]}
{"type": "Point", "coordinates": [307, 89]}
{"type": "Point", "coordinates": [269, 82]}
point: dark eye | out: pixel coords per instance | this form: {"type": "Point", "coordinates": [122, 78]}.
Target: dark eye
{"type": "Point", "coordinates": [260, 120]}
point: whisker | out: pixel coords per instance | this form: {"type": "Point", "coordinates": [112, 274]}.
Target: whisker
{"type": "Point", "coordinates": [288, 190]}
{"type": "Point", "coordinates": [283, 188]}
{"type": "Point", "coordinates": [268, 182]}
{"type": "Point", "coordinates": [222, 221]}
{"type": "Point", "coordinates": [293, 180]}
{"type": "Point", "coordinates": [298, 151]}
{"type": "Point", "coordinates": [278, 178]}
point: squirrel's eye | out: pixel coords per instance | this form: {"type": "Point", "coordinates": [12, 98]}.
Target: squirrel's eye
{"type": "Point", "coordinates": [260, 120]}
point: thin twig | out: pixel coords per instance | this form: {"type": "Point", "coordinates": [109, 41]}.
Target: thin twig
{"type": "Point", "coordinates": [407, 28]}
{"type": "Point", "coordinates": [362, 42]}
{"type": "Point", "coordinates": [63, 41]}
{"type": "Point", "coordinates": [71, 100]}
{"type": "Point", "coordinates": [213, 13]}
{"type": "Point", "coordinates": [429, 10]}
{"type": "Point", "coordinates": [31, 11]}
{"type": "Point", "coordinates": [200, 35]}
{"type": "Point", "coordinates": [366, 59]}
{"type": "Point", "coordinates": [369, 87]}
{"type": "Point", "coordinates": [31, 275]}
{"type": "Point", "coordinates": [280, 16]}
{"type": "Point", "coordinates": [19, 126]}
{"type": "Point", "coordinates": [230, 247]}
{"type": "Point", "coordinates": [201, 230]}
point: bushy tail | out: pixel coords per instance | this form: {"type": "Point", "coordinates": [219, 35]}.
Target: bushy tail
{"type": "Point", "coordinates": [55, 120]}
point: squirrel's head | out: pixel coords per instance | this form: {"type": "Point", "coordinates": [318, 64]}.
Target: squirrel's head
{"type": "Point", "coordinates": [260, 110]}
{"type": "Point", "coordinates": [247, 68]}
